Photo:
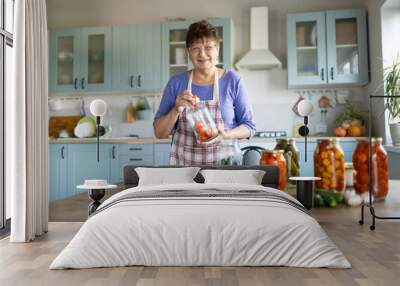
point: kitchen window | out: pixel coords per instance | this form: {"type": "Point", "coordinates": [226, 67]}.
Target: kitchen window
{"type": "Point", "coordinates": [6, 70]}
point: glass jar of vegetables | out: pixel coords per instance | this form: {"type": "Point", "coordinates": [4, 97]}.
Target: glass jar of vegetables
{"type": "Point", "coordinates": [329, 165]}
{"type": "Point", "coordinates": [379, 171]}
{"type": "Point", "coordinates": [291, 154]}
{"type": "Point", "coordinates": [276, 158]}
{"type": "Point", "coordinates": [202, 123]}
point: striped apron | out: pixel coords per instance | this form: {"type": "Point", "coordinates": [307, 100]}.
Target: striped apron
{"type": "Point", "coordinates": [185, 150]}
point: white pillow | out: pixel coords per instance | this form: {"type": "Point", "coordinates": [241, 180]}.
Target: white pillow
{"type": "Point", "coordinates": [166, 176]}
{"type": "Point", "coordinates": [249, 177]}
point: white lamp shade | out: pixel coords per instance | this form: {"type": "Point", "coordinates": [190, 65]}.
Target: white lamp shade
{"type": "Point", "coordinates": [305, 107]}
{"type": "Point", "coordinates": [98, 107]}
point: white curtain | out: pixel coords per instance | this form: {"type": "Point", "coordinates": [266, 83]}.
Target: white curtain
{"type": "Point", "coordinates": [27, 124]}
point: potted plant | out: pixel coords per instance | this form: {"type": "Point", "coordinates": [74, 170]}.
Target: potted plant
{"type": "Point", "coordinates": [392, 88]}
{"type": "Point", "coordinates": [142, 109]}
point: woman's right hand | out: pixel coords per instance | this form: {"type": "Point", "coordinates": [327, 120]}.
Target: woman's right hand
{"type": "Point", "coordinates": [185, 99]}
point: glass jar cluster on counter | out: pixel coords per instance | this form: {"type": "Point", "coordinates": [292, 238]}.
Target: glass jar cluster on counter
{"type": "Point", "coordinates": [379, 170]}
{"type": "Point", "coordinates": [276, 158]}
{"type": "Point", "coordinates": [200, 120]}
{"type": "Point", "coordinates": [291, 154]}
{"type": "Point", "coordinates": [329, 165]}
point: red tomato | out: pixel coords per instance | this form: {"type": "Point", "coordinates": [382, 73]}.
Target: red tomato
{"type": "Point", "coordinates": [198, 126]}
{"type": "Point", "coordinates": [214, 132]}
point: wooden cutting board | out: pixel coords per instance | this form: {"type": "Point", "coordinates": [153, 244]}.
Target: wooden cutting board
{"type": "Point", "coordinates": [58, 123]}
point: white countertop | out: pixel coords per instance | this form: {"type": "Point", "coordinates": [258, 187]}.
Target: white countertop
{"type": "Point", "coordinates": [152, 140]}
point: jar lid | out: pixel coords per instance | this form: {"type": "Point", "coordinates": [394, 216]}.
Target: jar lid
{"type": "Point", "coordinates": [272, 151]}
{"type": "Point", "coordinates": [330, 139]}
{"type": "Point", "coordinates": [373, 140]}
{"type": "Point", "coordinates": [348, 165]}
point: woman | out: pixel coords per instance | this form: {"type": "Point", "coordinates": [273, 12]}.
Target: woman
{"type": "Point", "coordinates": [221, 91]}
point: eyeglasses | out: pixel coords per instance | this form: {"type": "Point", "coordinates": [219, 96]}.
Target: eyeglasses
{"type": "Point", "coordinates": [197, 49]}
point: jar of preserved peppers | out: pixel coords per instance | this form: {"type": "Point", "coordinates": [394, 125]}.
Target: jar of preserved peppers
{"type": "Point", "coordinates": [276, 158]}
{"type": "Point", "coordinates": [329, 165]}
{"type": "Point", "coordinates": [291, 154]}
{"type": "Point", "coordinates": [379, 170]}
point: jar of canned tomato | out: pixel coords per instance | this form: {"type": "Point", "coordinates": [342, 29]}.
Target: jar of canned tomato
{"type": "Point", "coordinates": [329, 165]}
{"type": "Point", "coordinates": [276, 158]}
{"type": "Point", "coordinates": [379, 170]}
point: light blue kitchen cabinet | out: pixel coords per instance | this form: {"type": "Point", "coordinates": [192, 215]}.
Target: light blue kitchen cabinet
{"type": "Point", "coordinates": [83, 165]}
{"type": "Point", "coordinates": [347, 46]}
{"type": "Point", "coordinates": [80, 59]}
{"type": "Point", "coordinates": [175, 58]}
{"type": "Point", "coordinates": [134, 154]}
{"type": "Point", "coordinates": [64, 59]}
{"type": "Point", "coordinates": [306, 38]}
{"type": "Point", "coordinates": [161, 153]}
{"type": "Point", "coordinates": [58, 175]}
{"type": "Point", "coordinates": [348, 148]}
{"type": "Point", "coordinates": [327, 48]}
{"type": "Point", "coordinates": [115, 175]}
{"type": "Point", "coordinates": [306, 168]}
{"type": "Point", "coordinates": [136, 57]}
{"type": "Point", "coordinates": [96, 59]}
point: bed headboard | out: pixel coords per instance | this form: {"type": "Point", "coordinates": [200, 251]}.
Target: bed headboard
{"type": "Point", "coordinates": [270, 179]}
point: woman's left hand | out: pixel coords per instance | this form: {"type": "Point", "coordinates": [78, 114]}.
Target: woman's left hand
{"type": "Point", "coordinates": [222, 135]}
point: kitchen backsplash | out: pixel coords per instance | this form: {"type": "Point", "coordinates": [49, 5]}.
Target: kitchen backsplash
{"type": "Point", "coordinates": [272, 105]}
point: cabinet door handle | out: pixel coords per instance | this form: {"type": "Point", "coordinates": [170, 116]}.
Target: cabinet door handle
{"type": "Point", "coordinates": [135, 159]}
{"type": "Point", "coordinates": [62, 152]}
{"type": "Point", "coordinates": [83, 83]}
{"type": "Point", "coordinates": [113, 152]}
{"type": "Point", "coordinates": [331, 73]}
{"type": "Point", "coordinates": [322, 74]}
{"type": "Point", "coordinates": [131, 81]}
{"type": "Point", "coordinates": [135, 149]}
{"type": "Point", "coordinates": [139, 80]}
{"type": "Point", "coordinates": [76, 83]}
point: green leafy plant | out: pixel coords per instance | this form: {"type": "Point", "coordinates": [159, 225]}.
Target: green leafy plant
{"type": "Point", "coordinates": [141, 105]}
{"type": "Point", "coordinates": [392, 88]}
{"type": "Point", "coordinates": [350, 112]}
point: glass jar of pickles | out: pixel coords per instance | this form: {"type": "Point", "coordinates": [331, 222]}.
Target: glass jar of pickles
{"type": "Point", "coordinates": [380, 175]}
{"type": "Point", "coordinates": [276, 158]}
{"type": "Point", "coordinates": [202, 123]}
{"type": "Point", "coordinates": [329, 165]}
{"type": "Point", "coordinates": [291, 154]}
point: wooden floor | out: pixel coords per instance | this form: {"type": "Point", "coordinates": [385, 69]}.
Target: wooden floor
{"type": "Point", "coordinates": [374, 255]}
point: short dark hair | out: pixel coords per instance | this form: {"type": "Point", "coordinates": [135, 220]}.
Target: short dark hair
{"type": "Point", "coordinates": [200, 30]}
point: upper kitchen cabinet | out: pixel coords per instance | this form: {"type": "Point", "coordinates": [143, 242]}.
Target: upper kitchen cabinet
{"type": "Point", "coordinates": [175, 58]}
{"type": "Point", "coordinates": [80, 59]}
{"type": "Point", "coordinates": [327, 48]}
{"type": "Point", "coordinates": [136, 57]}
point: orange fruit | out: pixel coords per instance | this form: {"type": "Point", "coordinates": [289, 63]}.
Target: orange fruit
{"type": "Point", "coordinates": [354, 131]}
{"type": "Point", "coordinates": [340, 132]}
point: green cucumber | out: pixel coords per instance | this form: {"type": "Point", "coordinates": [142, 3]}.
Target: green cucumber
{"type": "Point", "coordinates": [329, 198]}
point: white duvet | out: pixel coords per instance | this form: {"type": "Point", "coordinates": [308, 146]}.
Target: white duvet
{"type": "Point", "coordinates": [200, 231]}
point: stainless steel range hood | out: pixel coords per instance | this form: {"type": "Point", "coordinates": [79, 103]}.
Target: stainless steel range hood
{"type": "Point", "coordinates": [259, 57]}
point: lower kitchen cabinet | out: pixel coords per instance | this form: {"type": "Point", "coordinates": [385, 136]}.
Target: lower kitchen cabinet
{"type": "Point", "coordinates": [307, 168]}
{"type": "Point", "coordinates": [71, 164]}
{"type": "Point", "coordinates": [58, 171]}
{"type": "Point", "coordinates": [161, 153]}
{"type": "Point", "coordinates": [83, 165]}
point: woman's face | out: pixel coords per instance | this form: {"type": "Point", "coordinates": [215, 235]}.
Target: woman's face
{"type": "Point", "coordinates": [204, 53]}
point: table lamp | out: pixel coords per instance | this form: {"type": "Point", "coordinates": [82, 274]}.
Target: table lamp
{"type": "Point", "coordinates": [304, 109]}
{"type": "Point", "coordinates": [98, 108]}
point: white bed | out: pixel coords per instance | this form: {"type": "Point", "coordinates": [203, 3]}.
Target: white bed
{"type": "Point", "coordinates": [185, 230]}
